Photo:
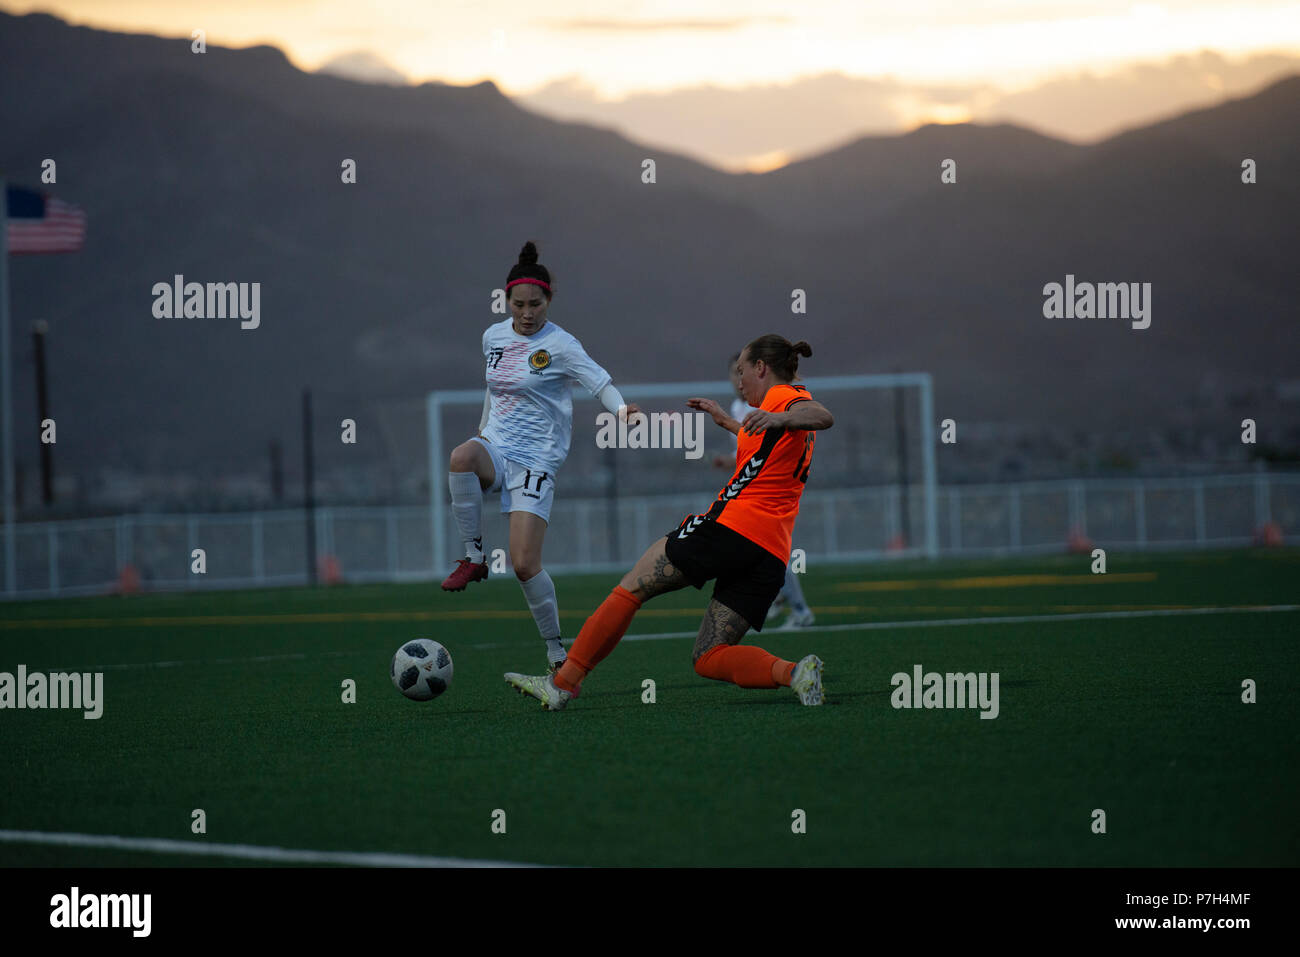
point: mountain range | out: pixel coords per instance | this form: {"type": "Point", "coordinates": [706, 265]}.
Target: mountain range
{"type": "Point", "coordinates": [225, 166]}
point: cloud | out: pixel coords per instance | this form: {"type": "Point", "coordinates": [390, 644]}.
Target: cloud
{"type": "Point", "coordinates": [641, 26]}
{"type": "Point", "coordinates": [1085, 107]}
{"type": "Point", "coordinates": [364, 66]}
{"type": "Point", "coordinates": [756, 126]}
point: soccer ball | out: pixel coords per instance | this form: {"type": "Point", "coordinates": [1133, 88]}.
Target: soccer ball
{"type": "Point", "coordinates": [421, 669]}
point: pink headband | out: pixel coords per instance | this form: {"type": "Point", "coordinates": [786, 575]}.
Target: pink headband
{"type": "Point", "coordinates": [535, 282]}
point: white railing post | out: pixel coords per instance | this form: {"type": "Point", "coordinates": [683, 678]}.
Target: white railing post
{"type": "Point", "coordinates": [928, 467]}
{"type": "Point", "coordinates": [259, 559]}
{"type": "Point", "coordinates": [1015, 518]}
{"type": "Point", "coordinates": [831, 526]}
{"type": "Point", "coordinates": [52, 548]}
{"type": "Point", "coordinates": [122, 551]}
{"type": "Point", "coordinates": [437, 483]}
{"type": "Point", "coordinates": [584, 533]}
{"type": "Point", "coordinates": [642, 524]}
{"type": "Point", "coordinates": [1140, 512]}
{"type": "Point", "coordinates": [892, 514]}
{"type": "Point", "coordinates": [392, 543]}
{"type": "Point", "coordinates": [1263, 508]}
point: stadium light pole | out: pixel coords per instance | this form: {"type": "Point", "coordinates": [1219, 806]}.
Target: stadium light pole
{"type": "Point", "coordinates": [6, 393]}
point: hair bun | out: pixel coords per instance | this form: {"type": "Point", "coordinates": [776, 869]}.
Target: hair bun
{"type": "Point", "coordinates": [528, 255]}
{"type": "Point", "coordinates": [803, 349]}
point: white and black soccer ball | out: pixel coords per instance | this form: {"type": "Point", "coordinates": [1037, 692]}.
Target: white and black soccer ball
{"type": "Point", "coordinates": [421, 669]}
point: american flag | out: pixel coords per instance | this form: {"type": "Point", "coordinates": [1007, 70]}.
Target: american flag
{"type": "Point", "coordinates": [43, 224]}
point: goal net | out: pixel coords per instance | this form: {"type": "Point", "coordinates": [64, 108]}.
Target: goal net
{"type": "Point", "coordinates": [870, 493]}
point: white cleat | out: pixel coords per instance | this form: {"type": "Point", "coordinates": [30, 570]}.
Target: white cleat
{"type": "Point", "coordinates": [541, 687]}
{"type": "Point", "coordinates": [806, 681]}
{"type": "Point", "coordinates": [797, 619]}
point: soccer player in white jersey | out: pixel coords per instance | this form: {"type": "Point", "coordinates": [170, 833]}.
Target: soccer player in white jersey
{"type": "Point", "coordinates": [801, 616]}
{"type": "Point", "coordinates": [523, 439]}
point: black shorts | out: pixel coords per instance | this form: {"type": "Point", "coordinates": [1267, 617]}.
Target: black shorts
{"type": "Point", "coordinates": [749, 576]}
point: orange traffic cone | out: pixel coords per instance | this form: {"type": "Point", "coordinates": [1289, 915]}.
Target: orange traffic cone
{"type": "Point", "coordinates": [330, 572]}
{"type": "Point", "coordinates": [1077, 542]}
{"type": "Point", "coordinates": [1269, 534]}
{"type": "Point", "coordinates": [128, 582]}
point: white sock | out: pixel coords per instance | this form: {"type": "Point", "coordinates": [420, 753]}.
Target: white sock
{"type": "Point", "coordinates": [467, 506]}
{"type": "Point", "coordinates": [540, 593]}
{"type": "Point", "coordinates": [793, 591]}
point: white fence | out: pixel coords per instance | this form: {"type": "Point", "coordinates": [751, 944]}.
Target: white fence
{"type": "Point", "coordinates": [395, 544]}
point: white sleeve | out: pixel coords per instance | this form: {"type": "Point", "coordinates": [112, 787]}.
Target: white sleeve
{"type": "Point", "coordinates": [487, 410]}
{"type": "Point", "coordinates": [609, 397]}
{"type": "Point", "coordinates": [578, 365]}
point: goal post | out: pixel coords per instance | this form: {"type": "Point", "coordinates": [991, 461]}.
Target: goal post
{"type": "Point", "coordinates": [866, 499]}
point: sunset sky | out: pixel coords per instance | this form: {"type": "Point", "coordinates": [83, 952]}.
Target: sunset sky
{"type": "Point", "coordinates": [642, 45]}
{"type": "Point", "coordinates": [929, 60]}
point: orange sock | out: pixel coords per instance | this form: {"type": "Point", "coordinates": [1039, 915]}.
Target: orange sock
{"type": "Point", "coordinates": [744, 665]}
{"type": "Point", "coordinates": [599, 635]}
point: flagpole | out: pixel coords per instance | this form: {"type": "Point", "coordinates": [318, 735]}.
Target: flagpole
{"type": "Point", "coordinates": [6, 395]}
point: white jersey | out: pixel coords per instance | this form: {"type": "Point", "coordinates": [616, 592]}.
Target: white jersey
{"type": "Point", "coordinates": [530, 380]}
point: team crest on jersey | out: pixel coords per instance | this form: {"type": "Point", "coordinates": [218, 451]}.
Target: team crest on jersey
{"type": "Point", "coordinates": [539, 360]}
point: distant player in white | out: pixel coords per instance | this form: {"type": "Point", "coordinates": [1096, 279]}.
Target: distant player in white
{"type": "Point", "coordinates": [801, 616]}
{"type": "Point", "coordinates": [523, 439]}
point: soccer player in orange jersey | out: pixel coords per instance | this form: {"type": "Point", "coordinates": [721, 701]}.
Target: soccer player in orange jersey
{"type": "Point", "coordinates": [743, 541]}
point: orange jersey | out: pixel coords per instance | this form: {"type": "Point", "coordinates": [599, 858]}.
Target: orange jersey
{"type": "Point", "coordinates": [762, 498]}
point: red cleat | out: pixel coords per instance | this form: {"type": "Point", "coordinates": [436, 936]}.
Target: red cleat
{"type": "Point", "coordinates": [466, 572]}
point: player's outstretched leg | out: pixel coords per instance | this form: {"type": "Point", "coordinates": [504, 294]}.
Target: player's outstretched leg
{"type": "Point", "coordinates": [718, 656]}
{"type": "Point", "coordinates": [652, 575]}
{"type": "Point", "coordinates": [541, 687]}
{"type": "Point", "coordinates": [470, 467]}
{"type": "Point", "coordinates": [597, 638]}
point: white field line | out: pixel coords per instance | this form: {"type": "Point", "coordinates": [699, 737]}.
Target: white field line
{"type": "Point", "coordinates": [248, 852]}
{"type": "Point", "coordinates": [940, 622]}
{"type": "Point", "coordinates": [296, 656]}
{"type": "Point", "coordinates": [813, 629]}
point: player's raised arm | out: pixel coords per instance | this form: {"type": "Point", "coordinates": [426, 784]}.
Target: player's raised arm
{"type": "Point", "coordinates": [587, 372]}
{"type": "Point", "coordinates": [717, 412]}
{"type": "Point", "coordinates": [807, 415]}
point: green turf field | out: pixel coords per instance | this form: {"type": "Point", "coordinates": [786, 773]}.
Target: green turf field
{"type": "Point", "coordinates": [231, 702]}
